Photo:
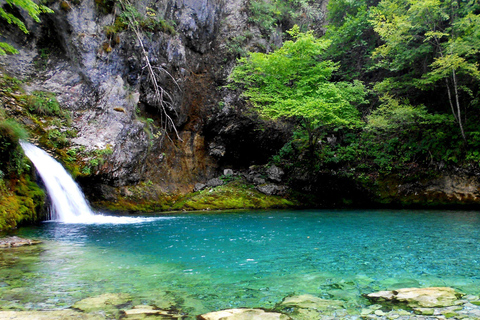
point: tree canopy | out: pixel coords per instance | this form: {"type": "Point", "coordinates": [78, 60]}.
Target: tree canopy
{"type": "Point", "coordinates": [430, 45]}
{"type": "Point", "coordinates": [293, 82]}
{"type": "Point", "coordinates": [34, 10]}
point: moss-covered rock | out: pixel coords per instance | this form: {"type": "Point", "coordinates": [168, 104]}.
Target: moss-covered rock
{"type": "Point", "coordinates": [110, 303]}
{"type": "Point", "coordinates": [306, 306]}
{"type": "Point", "coordinates": [243, 314]}
{"type": "Point", "coordinates": [419, 297]}
{"type": "Point", "coordinates": [236, 194]}
{"type": "Point", "coordinates": [21, 201]}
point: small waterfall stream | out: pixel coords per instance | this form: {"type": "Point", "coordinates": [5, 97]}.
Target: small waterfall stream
{"type": "Point", "coordinates": [68, 202]}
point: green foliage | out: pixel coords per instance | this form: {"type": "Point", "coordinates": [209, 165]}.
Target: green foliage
{"type": "Point", "coordinates": [44, 104]}
{"type": "Point", "coordinates": [130, 17]}
{"type": "Point", "coordinates": [269, 15]}
{"type": "Point", "coordinates": [294, 83]}
{"type": "Point", "coordinates": [12, 160]}
{"type": "Point", "coordinates": [20, 202]}
{"type": "Point", "coordinates": [352, 35]}
{"type": "Point", "coordinates": [430, 45]}
{"type": "Point", "coordinates": [234, 195]}
{"type": "Point", "coordinates": [20, 199]}
{"type": "Point", "coordinates": [9, 85]}
{"type": "Point", "coordinates": [33, 9]}
{"type": "Point", "coordinates": [398, 137]}
{"type": "Point", "coordinates": [236, 46]}
{"type": "Point", "coordinates": [118, 25]}
{"type": "Point", "coordinates": [150, 22]}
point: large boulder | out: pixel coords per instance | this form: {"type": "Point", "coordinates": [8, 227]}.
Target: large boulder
{"type": "Point", "coordinates": [419, 297]}
{"type": "Point", "coordinates": [15, 241]}
{"type": "Point", "coordinates": [108, 303]}
{"type": "Point", "coordinates": [150, 312]}
{"type": "Point", "coordinates": [243, 314]}
{"type": "Point", "coordinates": [307, 306]}
{"type": "Point", "coordinates": [275, 173]}
{"type": "Point", "coordinates": [271, 189]}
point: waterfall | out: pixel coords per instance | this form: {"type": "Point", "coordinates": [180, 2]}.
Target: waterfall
{"type": "Point", "coordinates": [68, 202]}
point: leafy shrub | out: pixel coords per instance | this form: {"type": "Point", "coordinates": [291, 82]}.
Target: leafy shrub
{"type": "Point", "coordinates": [44, 104]}
{"type": "Point", "coordinates": [11, 155]}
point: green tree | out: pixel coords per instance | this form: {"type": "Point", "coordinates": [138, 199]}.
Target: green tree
{"type": "Point", "coordinates": [294, 83]}
{"type": "Point", "coordinates": [34, 10]}
{"type": "Point", "coordinates": [352, 35]}
{"type": "Point", "coordinates": [430, 44]}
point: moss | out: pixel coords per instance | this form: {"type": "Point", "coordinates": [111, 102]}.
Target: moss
{"type": "Point", "coordinates": [234, 195]}
{"type": "Point", "coordinates": [21, 201]}
{"type": "Point", "coordinates": [130, 205]}
{"type": "Point", "coordinates": [43, 103]}
{"type": "Point", "coordinates": [9, 85]}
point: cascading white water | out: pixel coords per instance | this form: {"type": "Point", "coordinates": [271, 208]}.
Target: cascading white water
{"type": "Point", "coordinates": [68, 202]}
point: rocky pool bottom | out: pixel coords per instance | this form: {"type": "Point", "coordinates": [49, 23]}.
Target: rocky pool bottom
{"type": "Point", "coordinates": [287, 264]}
{"type": "Point", "coordinates": [405, 303]}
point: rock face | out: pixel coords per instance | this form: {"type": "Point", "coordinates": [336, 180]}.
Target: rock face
{"type": "Point", "coordinates": [419, 297]}
{"type": "Point", "coordinates": [447, 189]}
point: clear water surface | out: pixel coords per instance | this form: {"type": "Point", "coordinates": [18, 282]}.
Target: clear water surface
{"type": "Point", "coordinates": [204, 262]}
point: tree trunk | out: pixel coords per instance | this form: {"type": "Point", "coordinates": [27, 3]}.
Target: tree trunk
{"type": "Point", "coordinates": [457, 102]}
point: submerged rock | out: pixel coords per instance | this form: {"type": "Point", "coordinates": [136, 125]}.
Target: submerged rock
{"type": "Point", "coordinates": [307, 306]}
{"type": "Point", "coordinates": [109, 302]}
{"type": "Point", "coordinates": [48, 315]}
{"type": "Point", "coordinates": [150, 312]}
{"type": "Point", "coordinates": [419, 297]}
{"type": "Point", "coordinates": [243, 314]}
{"type": "Point", "coordinates": [15, 241]}
{"type": "Point", "coordinates": [309, 301]}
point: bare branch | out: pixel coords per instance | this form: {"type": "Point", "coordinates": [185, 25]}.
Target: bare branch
{"type": "Point", "coordinates": [160, 93]}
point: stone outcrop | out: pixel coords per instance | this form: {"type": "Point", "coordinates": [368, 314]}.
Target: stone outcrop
{"type": "Point", "coordinates": [446, 189]}
{"type": "Point", "coordinates": [150, 312]}
{"type": "Point", "coordinates": [48, 315]}
{"type": "Point", "coordinates": [9, 242]}
{"type": "Point", "coordinates": [306, 306]}
{"type": "Point", "coordinates": [109, 303]}
{"type": "Point", "coordinates": [419, 297]}
{"type": "Point", "coordinates": [243, 314]}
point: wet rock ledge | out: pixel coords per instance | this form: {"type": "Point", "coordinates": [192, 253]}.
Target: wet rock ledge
{"type": "Point", "coordinates": [10, 242]}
